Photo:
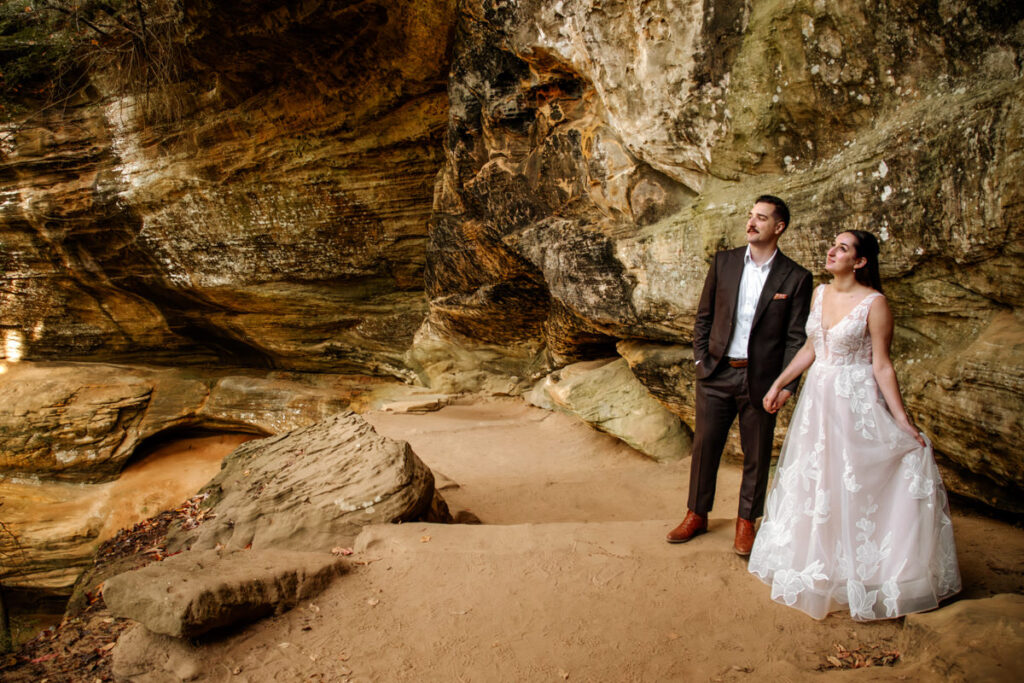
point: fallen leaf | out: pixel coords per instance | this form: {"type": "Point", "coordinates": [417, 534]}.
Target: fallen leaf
{"type": "Point", "coordinates": [363, 563]}
{"type": "Point", "coordinates": [373, 602]}
{"type": "Point", "coordinates": [341, 551]}
{"type": "Point", "coordinates": [563, 674]}
{"type": "Point", "coordinates": [424, 539]}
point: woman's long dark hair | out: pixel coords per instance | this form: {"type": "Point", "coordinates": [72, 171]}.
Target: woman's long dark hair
{"type": "Point", "coordinates": [867, 247]}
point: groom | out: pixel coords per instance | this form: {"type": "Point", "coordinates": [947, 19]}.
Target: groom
{"type": "Point", "coordinates": [750, 324]}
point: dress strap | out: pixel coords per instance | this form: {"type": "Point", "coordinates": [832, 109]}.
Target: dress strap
{"type": "Point", "coordinates": [819, 294]}
{"type": "Point", "coordinates": [864, 305]}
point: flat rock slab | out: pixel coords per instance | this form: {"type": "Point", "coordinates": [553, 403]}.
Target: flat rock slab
{"type": "Point", "coordinates": [193, 593]}
{"type": "Point", "coordinates": [418, 404]}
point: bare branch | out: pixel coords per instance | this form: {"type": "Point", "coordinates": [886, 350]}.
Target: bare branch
{"type": "Point", "coordinates": [76, 17]}
{"type": "Point", "coordinates": [112, 13]}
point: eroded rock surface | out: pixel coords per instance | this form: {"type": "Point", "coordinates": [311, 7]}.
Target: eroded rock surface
{"type": "Point", "coordinates": [939, 647]}
{"type": "Point", "coordinates": [81, 422]}
{"type": "Point", "coordinates": [606, 395]}
{"type": "Point", "coordinates": [555, 176]}
{"type": "Point", "coordinates": [268, 209]}
{"type": "Point", "coordinates": [313, 489]}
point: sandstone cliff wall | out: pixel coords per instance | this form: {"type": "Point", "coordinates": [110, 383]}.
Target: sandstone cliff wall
{"type": "Point", "coordinates": [474, 193]}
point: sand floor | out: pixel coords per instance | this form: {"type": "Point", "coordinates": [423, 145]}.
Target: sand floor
{"type": "Point", "coordinates": [569, 578]}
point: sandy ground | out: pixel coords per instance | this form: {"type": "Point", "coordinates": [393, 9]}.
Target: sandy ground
{"type": "Point", "coordinates": [569, 578]}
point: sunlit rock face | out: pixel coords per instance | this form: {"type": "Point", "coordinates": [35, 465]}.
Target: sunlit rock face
{"type": "Point", "coordinates": [269, 210]}
{"type": "Point", "coordinates": [554, 175]}
{"type": "Point", "coordinates": [598, 154]}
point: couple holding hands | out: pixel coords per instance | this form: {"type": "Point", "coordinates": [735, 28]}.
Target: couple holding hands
{"type": "Point", "coordinates": [856, 517]}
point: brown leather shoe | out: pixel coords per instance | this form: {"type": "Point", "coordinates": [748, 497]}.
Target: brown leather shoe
{"type": "Point", "coordinates": [744, 536]}
{"type": "Point", "coordinates": [692, 525]}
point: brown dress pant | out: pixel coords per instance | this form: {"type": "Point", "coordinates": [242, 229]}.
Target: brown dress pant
{"type": "Point", "coordinates": [720, 398]}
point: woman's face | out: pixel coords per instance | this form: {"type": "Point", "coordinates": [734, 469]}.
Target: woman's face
{"type": "Point", "coordinates": [842, 256]}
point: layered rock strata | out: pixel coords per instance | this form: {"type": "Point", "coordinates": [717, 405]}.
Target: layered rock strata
{"type": "Point", "coordinates": [269, 209]}
{"type": "Point", "coordinates": [313, 489]}
{"type": "Point", "coordinates": [577, 163]}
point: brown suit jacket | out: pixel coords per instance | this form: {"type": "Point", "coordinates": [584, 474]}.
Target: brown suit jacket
{"type": "Point", "coordinates": [777, 332]}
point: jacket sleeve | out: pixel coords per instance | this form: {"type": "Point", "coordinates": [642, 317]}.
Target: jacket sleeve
{"type": "Point", "coordinates": [796, 334]}
{"type": "Point", "coordinates": [705, 315]}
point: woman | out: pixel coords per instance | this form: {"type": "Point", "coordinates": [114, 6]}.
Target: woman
{"type": "Point", "coordinates": [857, 515]}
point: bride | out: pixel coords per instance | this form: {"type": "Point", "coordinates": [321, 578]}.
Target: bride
{"type": "Point", "coordinates": [857, 515]}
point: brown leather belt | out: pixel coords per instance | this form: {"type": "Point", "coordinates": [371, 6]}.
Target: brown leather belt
{"type": "Point", "coordinates": [737, 362]}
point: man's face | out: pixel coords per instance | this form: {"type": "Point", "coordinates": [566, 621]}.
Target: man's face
{"type": "Point", "coordinates": [762, 226]}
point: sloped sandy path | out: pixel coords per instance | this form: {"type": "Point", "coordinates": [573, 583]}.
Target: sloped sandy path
{"type": "Point", "coordinates": [570, 578]}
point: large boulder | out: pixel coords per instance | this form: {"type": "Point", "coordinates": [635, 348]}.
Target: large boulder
{"type": "Point", "coordinates": [313, 489]}
{"type": "Point", "coordinates": [609, 397]}
{"type": "Point", "coordinates": [192, 593]}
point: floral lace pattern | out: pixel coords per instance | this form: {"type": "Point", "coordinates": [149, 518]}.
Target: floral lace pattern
{"type": "Point", "coordinates": [857, 516]}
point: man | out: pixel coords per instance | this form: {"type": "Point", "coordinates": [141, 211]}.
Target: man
{"type": "Point", "coordinates": [750, 324]}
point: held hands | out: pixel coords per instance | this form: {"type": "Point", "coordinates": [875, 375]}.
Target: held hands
{"type": "Point", "coordinates": [775, 399]}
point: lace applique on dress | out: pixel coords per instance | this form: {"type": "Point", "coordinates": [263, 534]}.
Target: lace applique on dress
{"type": "Point", "coordinates": [848, 484]}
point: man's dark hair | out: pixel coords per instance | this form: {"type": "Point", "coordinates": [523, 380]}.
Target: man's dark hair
{"type": "Point", "coordinates": [781, 210]}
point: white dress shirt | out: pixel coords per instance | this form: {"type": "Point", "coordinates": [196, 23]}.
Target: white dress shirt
{"type": "Point", "coordinates": [751, 284]}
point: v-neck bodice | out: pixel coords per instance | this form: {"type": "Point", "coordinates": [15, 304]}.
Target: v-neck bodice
{"type": "Point", "coordinates": [847, 342]}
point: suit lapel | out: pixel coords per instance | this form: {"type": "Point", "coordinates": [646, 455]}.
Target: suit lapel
{"type": "Point", "coordinates": [730, 285]}
{"type": "Point", "coordinates": [780, 269]}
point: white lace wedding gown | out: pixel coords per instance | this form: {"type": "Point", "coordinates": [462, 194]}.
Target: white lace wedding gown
{"type": "Point", "coordinates": [857, 515]}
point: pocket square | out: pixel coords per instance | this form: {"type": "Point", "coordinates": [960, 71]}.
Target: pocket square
{"type": "Point", "coordinates": [780, 295]}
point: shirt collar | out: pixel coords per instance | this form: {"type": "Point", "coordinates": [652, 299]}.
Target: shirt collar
{"type": "Point", "coordinates": [747, 261]}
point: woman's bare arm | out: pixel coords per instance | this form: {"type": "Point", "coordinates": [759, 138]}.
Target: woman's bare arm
{"type": "Point", "coordinates": [880, 326]}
